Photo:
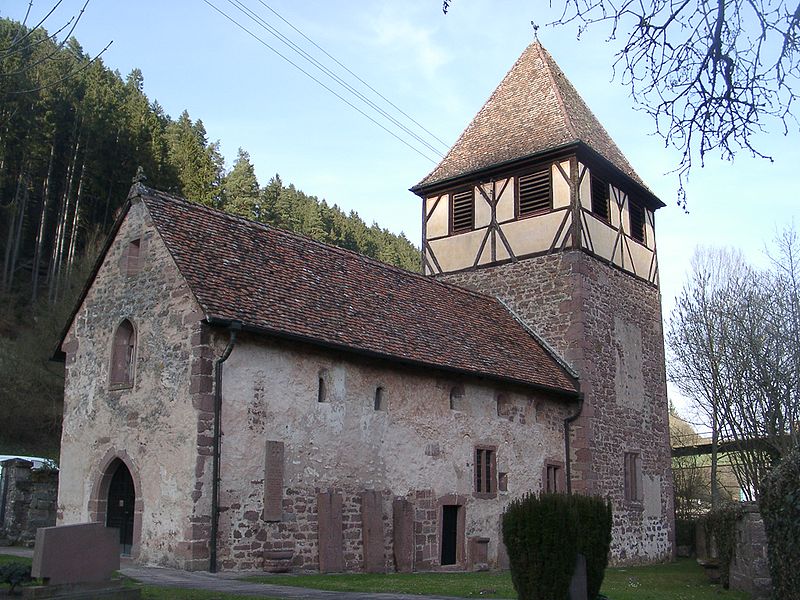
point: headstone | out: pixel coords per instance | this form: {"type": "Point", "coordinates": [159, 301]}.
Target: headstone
{"type": "Point", "coordinates": [479, 553]}
{"type": "Point", "coordinates": [82, 553]}
{"type": "Point", "coordinates": [403, 526]}
{"type": "Point", "coordinates": [372, 532]}
{"type": "Point", "coordinates": [329, 513]}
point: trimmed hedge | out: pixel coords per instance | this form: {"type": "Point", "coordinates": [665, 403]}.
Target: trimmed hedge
{"type": "Point", "coordinates": [544, 533]}
{"type": "Point", "coordinates": [779, 504]}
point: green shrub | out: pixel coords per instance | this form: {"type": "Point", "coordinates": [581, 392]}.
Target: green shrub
{"type": "Point", "coordinates": [780, 508]}
{"type": "Point", "coordinates": [14, 573]}
{"type": "Point", "coordinates": [686, 534]}
{"type": "Point", "coordinates": [544, 533]}
{"type": "Point", "coordinates": [721, 527]}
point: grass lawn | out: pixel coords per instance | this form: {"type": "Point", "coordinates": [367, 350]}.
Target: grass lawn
{"type": "Point", "coordinates": [8, 558]}
{"type": "Point", "coordinates": [683, 580]}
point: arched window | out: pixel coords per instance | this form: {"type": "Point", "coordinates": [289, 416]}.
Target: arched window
{"type": "Point", "coordinates": [122, 355]}
{"type": "Point", "coordinates": [322, 386]}
{"type": "Point", "coordinates": [457, 397]}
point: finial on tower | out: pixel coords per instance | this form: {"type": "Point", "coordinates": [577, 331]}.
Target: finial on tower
{"type": "Point", "coordinates": [535, 31]}
{"type": "Point", "coordinates": [140, 177]}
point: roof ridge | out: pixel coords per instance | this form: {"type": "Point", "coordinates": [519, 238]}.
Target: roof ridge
{"type": "Point", "coordinates": [293, 234]}
{"type": "Point", "coordinates": [544, 55]}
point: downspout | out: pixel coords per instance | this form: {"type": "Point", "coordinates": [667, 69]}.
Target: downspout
{"type": "Point", "coordinates": [567, 462]}
{"type": "Point", "coordinates": [233, 328]}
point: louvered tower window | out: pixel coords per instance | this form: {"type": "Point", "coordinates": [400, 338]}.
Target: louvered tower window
{"type": "Point", "coordinates": [463, 211]}
{"type": "Point", "coordinates": [599, 198]}
{"type": "Point", "coordinates": [636, 213]}
{"type": "Point", "coordinates": [533, 192]}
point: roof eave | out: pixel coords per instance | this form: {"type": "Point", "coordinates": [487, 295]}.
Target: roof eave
{"type": "Point", "coordinates": [225, 322]}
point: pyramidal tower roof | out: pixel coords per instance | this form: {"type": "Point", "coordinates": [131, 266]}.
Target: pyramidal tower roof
{"type": "Point", "coordinates": [534, 109]}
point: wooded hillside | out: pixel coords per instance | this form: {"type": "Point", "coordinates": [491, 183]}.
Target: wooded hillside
{"type": "Point", "coordinates": [72, 134]}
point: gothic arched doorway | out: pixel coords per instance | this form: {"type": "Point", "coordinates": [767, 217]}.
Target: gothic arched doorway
{"type": "Point", "coordinates": [121, 503]}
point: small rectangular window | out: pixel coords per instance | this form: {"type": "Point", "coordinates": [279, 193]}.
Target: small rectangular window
{"type": "Point", "coordinates": [552, 475]}
{"type": "Point", "coordinates": [599, 198]}
{"type": "Point", "coordinates": [485, 472]}
{"type": "Point", "coordinates": [533, 192]}
{"type": "Point", "coordinates": [633, 477]}
{"type": "Point", "coordinates": [462, 211]}
{"type": "Point", "coordinates": [636, 213]}
{"type": "Point", "coordinates": [322, 386]}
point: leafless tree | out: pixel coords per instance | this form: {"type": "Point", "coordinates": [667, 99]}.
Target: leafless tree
{"type": "Point", "coordinates": [733, 340]}
{"type": "Point", "coordinates": [712, 75]}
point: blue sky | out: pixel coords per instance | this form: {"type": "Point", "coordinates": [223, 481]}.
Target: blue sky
{"type": "Point", "coordinates": [440, 69]}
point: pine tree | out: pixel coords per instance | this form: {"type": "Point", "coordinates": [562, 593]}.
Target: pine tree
{"type": "Point", "coordinates": [240, 190]}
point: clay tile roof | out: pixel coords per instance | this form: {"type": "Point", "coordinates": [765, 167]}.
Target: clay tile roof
{"type": "Point", "coordinates": [283, 284]}
{"type": "Point", "coordinates": [534, 109]}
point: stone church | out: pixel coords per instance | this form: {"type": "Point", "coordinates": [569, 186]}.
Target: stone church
{"type": "Point", "coordinates": [241, 397]}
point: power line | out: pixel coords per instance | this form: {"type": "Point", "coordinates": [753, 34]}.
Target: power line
{"type": "Point", "coordinates": [252, 15]}
{"type": "Point", "coordinates": [316, 80]}
{"type": "Point", "coordinates": [334, 59]}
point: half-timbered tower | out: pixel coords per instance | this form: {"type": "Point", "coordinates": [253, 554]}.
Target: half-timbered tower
{"type": "Point", "coordinates": [536, 205]}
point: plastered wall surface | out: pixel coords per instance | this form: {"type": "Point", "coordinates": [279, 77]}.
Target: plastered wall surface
{"type": "Point", "coordinates": [417, 449]}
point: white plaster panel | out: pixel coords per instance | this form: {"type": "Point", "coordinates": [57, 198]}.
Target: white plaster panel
{"type": "Point", "coordinates": [483, 212]}
{"type": "Point", "coordinates": [642, 256]}
{"type": "Point", "coordinates": [585, 187]}
{"type": "Point", "coordinates": [649, 229]}
{"type": "Point", "coordinates": [506, 202]}
{"type": "Point", "coordinates": [502, 251]}
{"type": "Point", "coordinates": [439, 223]}
{"type": "Point", "coordinates": [625, 215]}
{"type": "Point", "coordinates": [629, 377]}
{"type": "Point", "coordinates": [486, 255]}
{"type": "Point", "coordinates": [603, 236]}
{"type": "Point", "coordinates": [458, 251]}
{"type": "Point", "coordinates": [651, 492]}
{"type": "Point", "coordinates": [560, 185]}
{"type": "Point", "coordinates": [534, 234]}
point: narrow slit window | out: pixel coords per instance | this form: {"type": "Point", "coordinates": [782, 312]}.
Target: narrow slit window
{"type": "Point", "coordinates": [457, 397]}
{"type": "Point", "coordinates": [322, 387]}
{"type": "Point", "coordinates": [133, 257]}
{"type": "Point", "coordinates": [600, 198]}
{"type": "Point", "coordinates": [463, 211]}
{"type": "Point", "coordinates": [122, 355]}
{"type": "Point", "coordinates": [533, 192]}
{"type": "Point", "coordinates": [380, 398]}
{"type": "Point", "coordinates": [553, 474]}
{"type": "Point", "coordinates": [636, 213]}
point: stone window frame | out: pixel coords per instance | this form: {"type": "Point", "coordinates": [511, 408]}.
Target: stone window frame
{"type": "Point", "coordinates": [132, 260]}
{"type": "Point", "coordinates": [484, 471]}
{"type": "Point", "coordinates": [553, 473]}
{"type": "Point", "coordinates": [632, 477]}
{"type": "Point", "coordinates": [121, 376]}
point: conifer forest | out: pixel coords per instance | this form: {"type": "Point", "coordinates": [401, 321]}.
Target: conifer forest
{"type": "Point", "coordinates": [72, 134]}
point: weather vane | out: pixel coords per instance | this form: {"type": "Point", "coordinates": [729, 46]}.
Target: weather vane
{"type": "Point", "coordinates": [535, 30]}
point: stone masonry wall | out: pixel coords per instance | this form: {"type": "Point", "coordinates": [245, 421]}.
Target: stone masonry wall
{"type": "Point", "coordinates": [607, 325]}
{"type": "Point", "coordinates": [28, 501]}
{"type": "Point", "coordinates": [157, 425]}
{"type": "Point", "coordinates": [417, 450]}
{"type": "Point", "coordinates": [750, 566]}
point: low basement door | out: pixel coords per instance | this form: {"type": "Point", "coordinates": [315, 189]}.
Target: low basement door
{"type": "Point", "coordinates": [449, 534]}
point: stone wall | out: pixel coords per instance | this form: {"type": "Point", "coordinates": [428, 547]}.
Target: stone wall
{"type": "Point", "coordinates": [416, 452]}
{"type": "Point", "coordinates": [750, 566]}
{"type": "Point", "coordinates": [27, 501]}
{"type": "Point", "coordinates": [159, 424]}
{"type": "Point", "coordinates": [607, 325]}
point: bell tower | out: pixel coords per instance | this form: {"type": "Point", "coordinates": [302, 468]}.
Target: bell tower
{"type": "Point", "coordinates": [535, 204]}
